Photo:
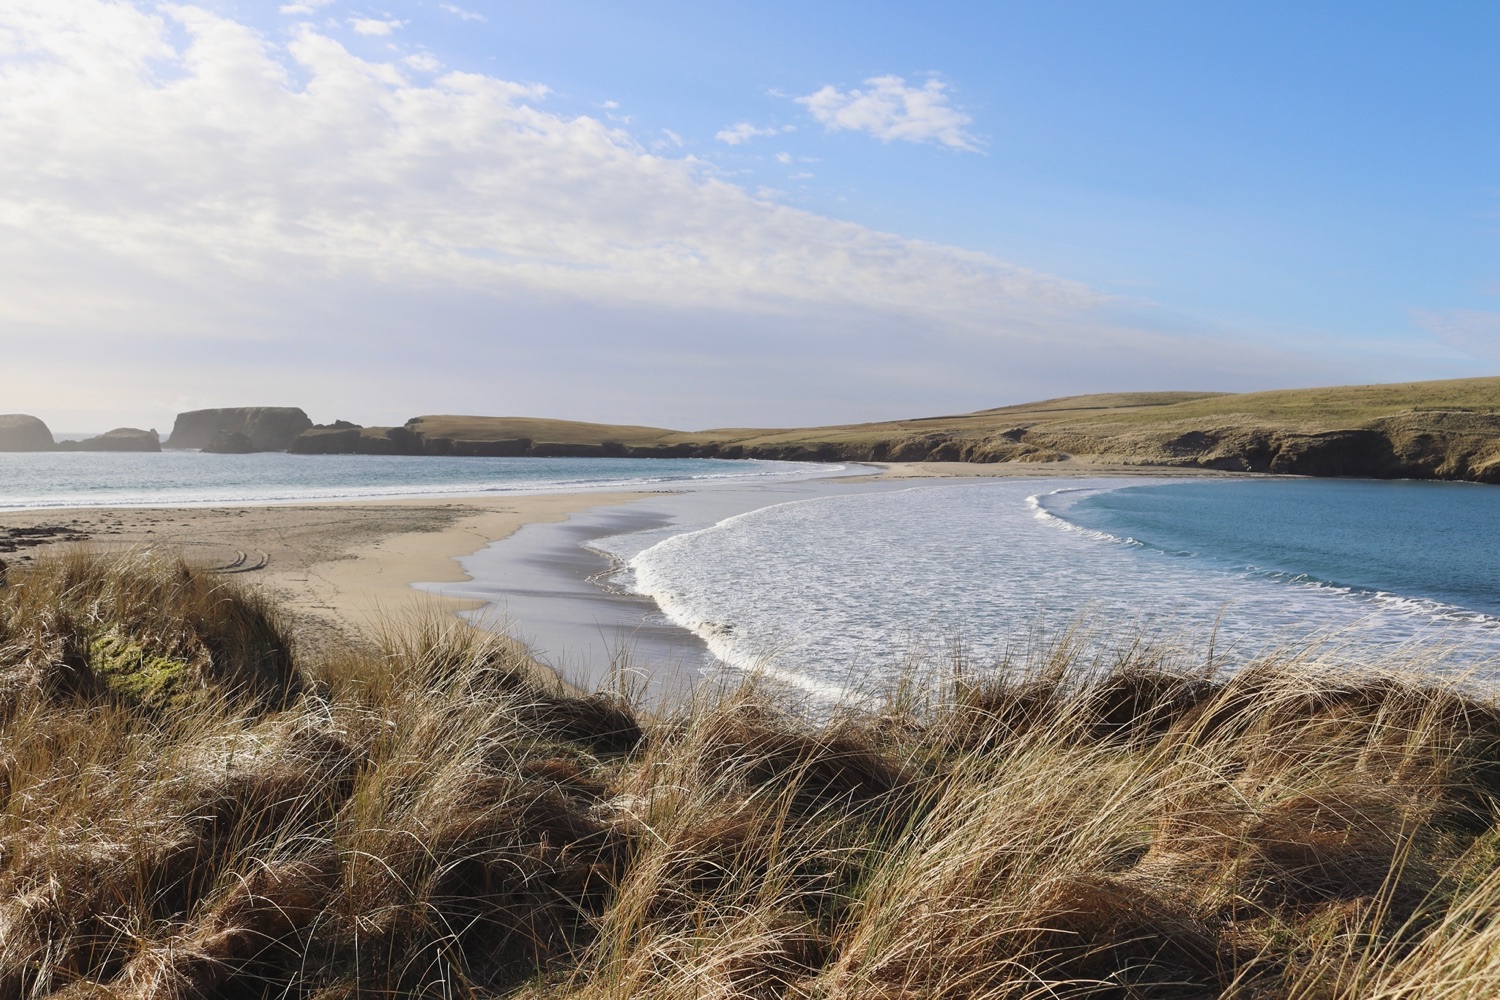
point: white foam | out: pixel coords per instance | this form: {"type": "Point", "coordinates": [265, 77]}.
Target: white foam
{"type": "Point", "coordinates": [825, 589]}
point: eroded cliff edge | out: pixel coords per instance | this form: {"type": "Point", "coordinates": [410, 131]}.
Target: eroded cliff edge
{"type": "Point", "coordinates": [23, 432]}
{"type": "Point", "coordinates": [239, 428]}
{"type": "Point", "coordinates": [1422, 430]}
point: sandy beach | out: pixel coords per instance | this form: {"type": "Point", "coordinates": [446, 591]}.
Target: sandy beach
{"type": "Point", "coordinates": [342, 566]}
{"type": "Point", "coordinates": [339, 566]}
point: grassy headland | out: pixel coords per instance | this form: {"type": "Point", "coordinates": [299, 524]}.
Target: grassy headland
{"type": "Point", "coordinates": [1424, 430]}
{"type": "Point", "coordinates": [192, 807]}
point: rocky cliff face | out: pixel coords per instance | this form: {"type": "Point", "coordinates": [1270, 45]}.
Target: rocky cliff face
{"type": "Point", "coordinates": [266, 428]}
{"type": "Point", "coordinates": [119, 439]}
{"type": "Point", "coordinates": [1419, 443]}
{"type": "Point", "coordinates": [20, 432]}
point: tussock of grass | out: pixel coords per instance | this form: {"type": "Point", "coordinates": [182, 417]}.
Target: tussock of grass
{"type": "Point", "coordinates": [429, 817]}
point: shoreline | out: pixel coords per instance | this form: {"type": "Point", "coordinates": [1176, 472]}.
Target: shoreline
{"type": "Point", "coordinates": [343, 566]}
{"type": "Point", "coordinates": [339, 566]}
{"type": "Point", "coordinates": [1067, 469]}
{"type": "Point", "coordinates": [545, 578]}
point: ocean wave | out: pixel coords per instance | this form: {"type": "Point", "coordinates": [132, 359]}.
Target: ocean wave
{"type": "Point", "coordinates": [819, 589]}
{"type": "Point", "coordinates": [1041, 513]}
{"type": "Point", "coordinates": [1418, 607]}
{"type": "Point", "coordinates": [40, 482]}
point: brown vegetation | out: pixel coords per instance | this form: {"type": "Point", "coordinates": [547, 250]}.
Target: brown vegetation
{"type": "Point", "coordinates": [424, 818]}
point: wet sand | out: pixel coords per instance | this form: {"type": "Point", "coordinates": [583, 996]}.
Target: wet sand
{"type": "Point", "coordinates": [339, 567]}
{"type": "Point", "coordinates": [343, 568]}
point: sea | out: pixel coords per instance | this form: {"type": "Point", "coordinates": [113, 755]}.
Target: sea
{"type": "Point", "coordinates": [193, 478]}
{"type": "Point", "coordinates": [832, 583]}
{"type": "Point", "coordinates": [835, 593]}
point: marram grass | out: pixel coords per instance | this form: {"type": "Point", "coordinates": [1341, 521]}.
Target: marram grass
{"type": "Point", "coordinates": [191, 809]}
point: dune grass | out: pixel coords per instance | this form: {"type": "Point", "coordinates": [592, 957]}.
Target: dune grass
{"type": "Point", "coordinates": [426, 817]}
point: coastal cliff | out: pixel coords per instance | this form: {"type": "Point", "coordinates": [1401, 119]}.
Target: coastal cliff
{"type": "Point", "coordinates": [239, 428]}
{"type": "Point", "coordinates": [23, 432]}
{"type": "Point", "coordinates": [1420, 430]}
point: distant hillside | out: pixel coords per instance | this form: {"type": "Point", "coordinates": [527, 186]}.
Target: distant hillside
{"type": "Point", "coordinates": [1426, 430]}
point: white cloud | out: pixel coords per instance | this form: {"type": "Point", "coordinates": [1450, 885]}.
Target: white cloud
{"type": "Point", "coordinates": [305, 7]}
{"type": "Point", "coordinates": [459, 12]}
{"type": "Point", "coordinates": [783, 157]}
{"type": "Point", "coordinates": [668, 140]}
{"type": "Point", "coordinates": [422, 62]}
{"type": "Point", "coordinates": [374, 26]}
{"type": "Point", "coordinates": [240, 217]}
{"type": "Point", "coordinates": [742, 132]}
{"type": "Point", "coordinates": [890, 109]}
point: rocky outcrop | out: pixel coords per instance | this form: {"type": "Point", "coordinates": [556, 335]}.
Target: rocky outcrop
{"type": "Point", "coordinates": [119, 439]}
{"type": "Point", "coordinates": [406, 441]}
{"type": "Point", "coordinates": [1417, 444]}
{"type": "Point", "coordinates": [21, 432]}
{"type": "Point", "coordinates": [355, 440]}
{"type": "Point", "coordinates": [227, 442]}
{"type": "Point", "coordinates": [267, 428]}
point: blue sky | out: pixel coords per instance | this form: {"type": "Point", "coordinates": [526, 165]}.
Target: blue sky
{"type": "Point", "coordinates": [707, 214]}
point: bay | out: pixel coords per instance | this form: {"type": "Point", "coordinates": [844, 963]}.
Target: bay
{"type": "Point", "coordinates": [191, 478]}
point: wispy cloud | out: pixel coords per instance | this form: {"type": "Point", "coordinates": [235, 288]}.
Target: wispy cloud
{"type": "Point", "coordinates": [1475, 332]}
{"type": "Point", "coordinates": [305, 7]}
{"type": "Point", "coordinates": [422, 62]}
{"type": "Point", "coordinates": [459, 12]}
{"type": "Point", "coordinates": [374, 26]}
{"type": "Point", "coordinates": [668, 140]}
{"type": "Point", "coordinates": [742, 132]}
{"type": "Point", "coordinates": [891, 109]}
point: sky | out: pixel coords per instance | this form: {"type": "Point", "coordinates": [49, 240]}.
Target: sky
{"type": "Point", "coordinates": [730, 214]}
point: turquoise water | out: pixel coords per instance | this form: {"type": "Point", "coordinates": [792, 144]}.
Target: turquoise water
{"type": "Point", "coordinates": [73, 479]}
{"type": "Point", "coordinates": [847, 589]}
{"type": "Point", "coordinates": [1429, 541]}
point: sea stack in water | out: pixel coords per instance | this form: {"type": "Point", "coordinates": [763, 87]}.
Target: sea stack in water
{"type": "Point", "coordinates": [264, 428]}
{"type": "Point", "coordinates": [21, 432]}
{"type": "Point", "coordinates": [119, 439]}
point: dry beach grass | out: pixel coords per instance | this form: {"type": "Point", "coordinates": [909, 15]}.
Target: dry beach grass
{"type": "Point", "coordinates": [192, 807]}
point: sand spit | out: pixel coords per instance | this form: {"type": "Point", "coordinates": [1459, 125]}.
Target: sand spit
{"type": "Point", "coordinates": [336, 566]}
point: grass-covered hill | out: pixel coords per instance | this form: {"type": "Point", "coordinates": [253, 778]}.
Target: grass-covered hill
{"type": "Point", "coordinates": [192, 807]}
{"type": "Point", "coordinates": [1442, 430]}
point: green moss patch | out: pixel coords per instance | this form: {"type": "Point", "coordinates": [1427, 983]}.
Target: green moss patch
{"type": "Point", "coordinates": [135, 674]}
